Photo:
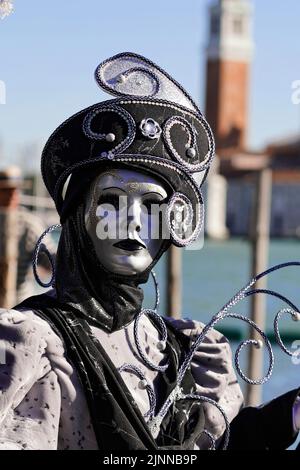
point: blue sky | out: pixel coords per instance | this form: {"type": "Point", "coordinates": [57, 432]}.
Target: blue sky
{"type": "Point", "coordinates": [49, 50]}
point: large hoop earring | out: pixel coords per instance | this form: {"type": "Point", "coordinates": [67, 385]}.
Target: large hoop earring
{"type": "Point", "coordinates": [36, 253]}
{"type": "Point", "coordinates": [157, 293]}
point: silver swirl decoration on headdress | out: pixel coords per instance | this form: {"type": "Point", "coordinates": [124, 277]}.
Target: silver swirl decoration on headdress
{"type": "Point", "coordinates": [110, 137]}
{"type": "Point", "coordinates": [129, 74]}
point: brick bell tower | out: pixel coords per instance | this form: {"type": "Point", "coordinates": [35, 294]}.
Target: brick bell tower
{"type": "Point", "coordinates": [229, 55]}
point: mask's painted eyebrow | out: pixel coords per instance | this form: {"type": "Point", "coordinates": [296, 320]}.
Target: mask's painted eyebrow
{"type": "Point", "coordinates": [143, 187]}
{"type": "Point", "coordinates": [113, 175]}
{"type": "Point", "coordinates": [156, 193]}
{"type": "Point", "coordinates": [113, 187]}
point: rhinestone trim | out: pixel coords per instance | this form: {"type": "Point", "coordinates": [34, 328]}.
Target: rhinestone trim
{"type": "Point", "coordinates": [97, 136]}
{"type": "Point", "coordinates": [190, 130]}
{"type": "Point", "coordinates": [173, 225]}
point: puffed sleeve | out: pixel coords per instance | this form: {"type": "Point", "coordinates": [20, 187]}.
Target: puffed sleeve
{"type": "Point", "coordinates": [215, 377]}
{"type": "Point", "coordinates": [30, 397]}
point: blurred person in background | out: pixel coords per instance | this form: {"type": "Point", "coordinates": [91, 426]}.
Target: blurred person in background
{"type": "Point", "coordinates": [29, 228]}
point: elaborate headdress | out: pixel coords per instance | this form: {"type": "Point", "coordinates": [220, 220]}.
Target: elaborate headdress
{"type": "Point", "coordinates": [152, 125]}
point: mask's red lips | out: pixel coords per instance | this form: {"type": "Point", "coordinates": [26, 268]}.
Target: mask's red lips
{"type": "Point", "coordinates": [130, 245]}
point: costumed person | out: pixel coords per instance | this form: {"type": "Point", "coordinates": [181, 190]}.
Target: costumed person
{"type": "Point", "coordinates": [28, 226]}
{"type": "Point", "coordinates": [86, 367]}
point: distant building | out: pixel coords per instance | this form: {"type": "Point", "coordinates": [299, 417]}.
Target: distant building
{"type": "Point", "coordinates": [285, 161]}
{"type": "Point", "coordinates": [229, 53]}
